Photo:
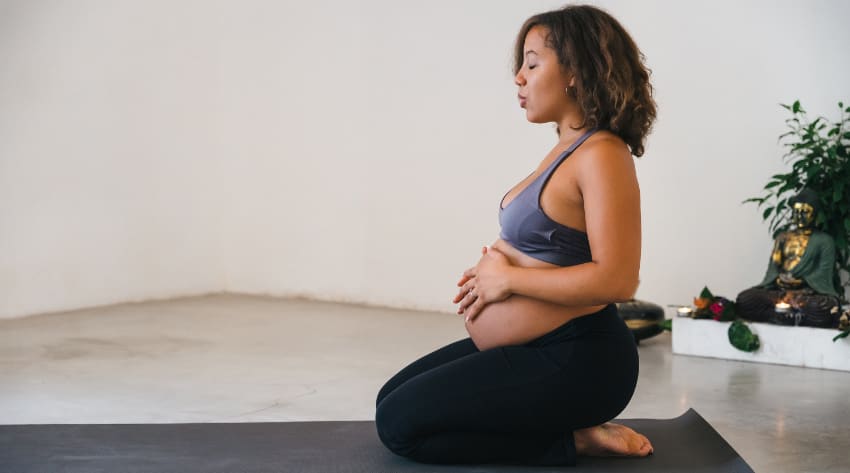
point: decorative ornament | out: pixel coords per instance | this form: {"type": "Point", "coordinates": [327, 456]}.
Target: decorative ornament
{"type": "Point", "coordinates": [709, 306]}
{"type": "Point", "coordinates": [742, 338]}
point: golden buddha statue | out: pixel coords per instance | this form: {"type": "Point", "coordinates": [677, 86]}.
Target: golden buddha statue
{"type": "Point", "coordinates": [800, 273]}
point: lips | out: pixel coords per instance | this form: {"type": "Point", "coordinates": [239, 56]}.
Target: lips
{"type": "Point", "coordinates": [521, 100]}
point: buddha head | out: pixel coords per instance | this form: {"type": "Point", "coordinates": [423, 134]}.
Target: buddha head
{"type": "Point", "coordinates": [804, 207]}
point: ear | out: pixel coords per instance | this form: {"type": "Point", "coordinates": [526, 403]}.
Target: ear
{"type": "Point", "coordinates": [572, 81]}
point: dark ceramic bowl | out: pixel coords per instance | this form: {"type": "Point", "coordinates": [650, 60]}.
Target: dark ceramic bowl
{"type": "Point", "coordinates": [641, 317]}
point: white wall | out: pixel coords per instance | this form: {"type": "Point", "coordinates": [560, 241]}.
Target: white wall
{"type": "Point", "coordinates": [110, 188]}
{"type": "Point", "coordinates": [357, 151]}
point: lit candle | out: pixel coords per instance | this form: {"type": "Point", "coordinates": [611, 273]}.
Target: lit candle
{"type": "Point", "coordinates": [782, 307]}
{"type": "Point", "coordinates": [684, 311]}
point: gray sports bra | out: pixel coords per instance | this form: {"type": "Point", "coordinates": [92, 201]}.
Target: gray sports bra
{"type": "Point", "coordinates": [527, 228]}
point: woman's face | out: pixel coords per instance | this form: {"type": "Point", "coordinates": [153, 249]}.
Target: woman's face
{"type": "Point", "coordinates": [541, 80]}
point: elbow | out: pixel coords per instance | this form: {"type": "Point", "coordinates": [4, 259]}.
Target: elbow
{"type": "Point", "coordinates": [625, 290]}
{"type": "Point", "coordinates": [617, 283]}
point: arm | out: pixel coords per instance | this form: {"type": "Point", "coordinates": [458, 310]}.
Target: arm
{"type": "Point", "coordinates": [608, 184]}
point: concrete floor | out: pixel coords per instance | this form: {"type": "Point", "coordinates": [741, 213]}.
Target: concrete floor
{"type": "Point", "coordinates": [233, 358]}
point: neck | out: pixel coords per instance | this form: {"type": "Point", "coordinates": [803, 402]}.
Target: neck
{"type": "Point", "coordinates": [567, 134]}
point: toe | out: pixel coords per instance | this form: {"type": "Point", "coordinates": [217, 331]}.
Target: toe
{"type": "Point", "coordinates": [646, 447]}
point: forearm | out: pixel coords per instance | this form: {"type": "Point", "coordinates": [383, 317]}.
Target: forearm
{"type": "Point", "coordinates": [580, 285]}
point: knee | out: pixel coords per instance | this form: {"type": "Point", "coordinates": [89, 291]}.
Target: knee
{"type": "Point", "coordinates": [386, 389]}
{"type": "Point", "coordinates": [389, 429]}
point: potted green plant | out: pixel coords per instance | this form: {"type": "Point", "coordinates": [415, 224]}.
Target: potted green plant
{"type": "Point", "coordinates": [818, 152]}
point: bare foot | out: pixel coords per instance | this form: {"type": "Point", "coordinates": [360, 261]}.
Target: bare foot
{"type": "Point", "coordinates": [611, 440]}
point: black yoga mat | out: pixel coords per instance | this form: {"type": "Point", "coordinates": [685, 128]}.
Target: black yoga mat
{"type": "Point", "coordinates": [687, 443]}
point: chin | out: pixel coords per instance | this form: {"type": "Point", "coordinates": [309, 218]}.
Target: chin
{"type": "Point", "coordinates": [532, 118]}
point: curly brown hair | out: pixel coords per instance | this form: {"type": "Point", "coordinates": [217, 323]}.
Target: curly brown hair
{"type": "Point", "coordinates": [611, 80]}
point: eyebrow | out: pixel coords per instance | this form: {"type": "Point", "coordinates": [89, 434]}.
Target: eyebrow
{"type": "Point", "coordinates": [530, 51]}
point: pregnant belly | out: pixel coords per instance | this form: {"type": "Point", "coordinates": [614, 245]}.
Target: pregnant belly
{"type": "Point", "coordinates": [519, 319]}
{"type": "Point", "coordinates": [515, 321]}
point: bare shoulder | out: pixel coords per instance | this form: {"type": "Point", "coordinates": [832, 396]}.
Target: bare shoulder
{"type": "Point", "coordinates": [605, 164]}
{"type": "Point", "coordinates": [603, 153]}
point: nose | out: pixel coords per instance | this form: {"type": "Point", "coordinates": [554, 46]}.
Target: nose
{"type": "Point", "coordinates": [519, 79]}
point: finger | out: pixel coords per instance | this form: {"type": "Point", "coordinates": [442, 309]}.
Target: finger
{"type": "Point", "coordinates": [464, 290]}
{"type": "Point", "coordinates": [467, 301]}
{"type": "Point", "coordinates": [463, 280]}
{"type": "Point", "coordinates": [461, 308]}
{"type": "Point", "coordinates": [474, 309]}
{"type": "Point", "coordinates": [469, 273]}
{"type": "Point", "coordinates": [484, 250]}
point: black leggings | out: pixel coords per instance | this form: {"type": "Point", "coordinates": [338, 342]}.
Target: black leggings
{"type": "Point", "coordinates": [514, 404]}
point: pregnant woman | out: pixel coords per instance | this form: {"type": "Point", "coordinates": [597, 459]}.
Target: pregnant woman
{"type": "Point", "coordinates": [548, 361]}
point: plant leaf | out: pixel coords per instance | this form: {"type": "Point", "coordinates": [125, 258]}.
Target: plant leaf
{"type": "Point", "coordinates": [742, 338]}
{"type": "Point", "coordinates": [790, 185]}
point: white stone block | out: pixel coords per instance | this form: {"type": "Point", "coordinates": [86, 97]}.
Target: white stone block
{"type": "Point", "coordinates": [783, 345]}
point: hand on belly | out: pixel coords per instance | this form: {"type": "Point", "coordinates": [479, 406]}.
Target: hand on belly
{"type": "Point", "coordinates": [519, 319]}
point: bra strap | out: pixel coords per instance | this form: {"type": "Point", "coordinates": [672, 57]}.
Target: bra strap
{"type": "Point", "coordinates": [581, 139]}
